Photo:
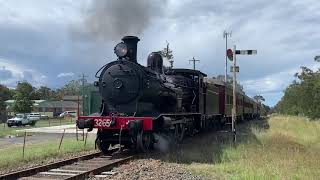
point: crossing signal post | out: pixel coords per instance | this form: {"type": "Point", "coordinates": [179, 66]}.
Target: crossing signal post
{"type": "Point", "coordinates": [232, 56]}
{"type": "Point", "coordinates": [234, 107]}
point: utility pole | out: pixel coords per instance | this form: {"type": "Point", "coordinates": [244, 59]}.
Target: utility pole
{"type": "Point", "coordinates": [194, 62]}
{"type": "Point", "coordinates": [226, 35]}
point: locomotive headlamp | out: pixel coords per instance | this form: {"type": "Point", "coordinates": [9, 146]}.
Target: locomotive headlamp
{"type": "Point", "coordinates": [121, 50]}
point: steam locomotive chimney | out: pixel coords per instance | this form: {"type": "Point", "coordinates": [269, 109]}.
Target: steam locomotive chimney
{"type": "Point", "coordinates": [131, 42]}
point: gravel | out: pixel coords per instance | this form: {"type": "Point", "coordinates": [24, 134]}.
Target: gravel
{"type": "Point", "coordinates": [147, 169]}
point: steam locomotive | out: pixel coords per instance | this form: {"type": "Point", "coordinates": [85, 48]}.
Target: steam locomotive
{"type": "Point", "coordinates": [140, 102]}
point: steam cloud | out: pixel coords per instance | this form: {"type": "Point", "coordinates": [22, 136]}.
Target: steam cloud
{"type": "Point", "coordinates": [112, 19]}
{"type": "Point", "coordinates": [164, 143]}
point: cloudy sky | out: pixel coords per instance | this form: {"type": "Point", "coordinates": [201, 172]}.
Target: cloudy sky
{"type": "Point", "coordinates": [51, 42]}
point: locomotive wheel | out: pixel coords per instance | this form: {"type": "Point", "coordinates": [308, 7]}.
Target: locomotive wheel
{"type": "Point", "coordinates": [179, 132]}
{"type": "Point", "coordinates": [103, 146]}
{"type": "Point", "coordinates": [144, 141]}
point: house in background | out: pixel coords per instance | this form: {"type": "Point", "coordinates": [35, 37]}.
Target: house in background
{"type": "Point", "coordinates": [49, 108]}
{"type": "Point", "coordinates": [72, 98]}
{"type": "Point", "coordinates": [55, 108]}
{"type": "Point", "coordinates": [10, 103]}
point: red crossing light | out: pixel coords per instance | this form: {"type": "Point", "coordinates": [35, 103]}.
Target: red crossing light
{"type": "Point", "coordinates": [230, 54]}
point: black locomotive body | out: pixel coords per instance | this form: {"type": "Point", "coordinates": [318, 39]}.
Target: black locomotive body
{"type": "Point", "coordinates": [135, 90]}
{"type": "Point", "coordinates": [139, 102]}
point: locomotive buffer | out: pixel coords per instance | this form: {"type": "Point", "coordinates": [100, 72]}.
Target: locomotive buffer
{"type": "Point", "coordinates": [232, 56]}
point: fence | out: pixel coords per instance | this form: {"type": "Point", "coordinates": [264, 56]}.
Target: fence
{"type": "Point", "coordinates": [59, 143]}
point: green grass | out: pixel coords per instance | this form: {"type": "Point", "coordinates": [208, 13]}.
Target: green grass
{"type": "Point", "coordinates": [39, 152]}
{"type": "Point", "coordinates": [6, 131]}
{"type": "Point", "coordinates": [282, 147]}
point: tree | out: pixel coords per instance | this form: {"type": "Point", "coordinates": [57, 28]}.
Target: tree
{"type": "Point", "coordinates": [5, 94]}
{"type": "Point", "coordinates": [222, 78]}
{"type": "Point", "coordinates": [167, 53]}
{"type": "Point", "coordinates": [72, 88]}
{"type": "Point", "coordinates": [230, 82]}
{"type": "Point", "coordinates": [302, 97]}
{"type": "Point", "coordinates": [23, 102]}
{"type": "Point", "coordinates": [258, 98]}
{"type": "Point", "coordinates": [45, 93]}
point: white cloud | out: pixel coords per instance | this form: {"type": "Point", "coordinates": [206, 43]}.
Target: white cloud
{"type": "Point", "coordinates": [67, 74]}
{"type": "Point", "coordinates": [285, 33]}
{"type": "Point", "coordinates": [21, 73]}
{"type": "Point", "coordinates": [270, 83]}
{"type": "Point", "coordinates": [275, 82]}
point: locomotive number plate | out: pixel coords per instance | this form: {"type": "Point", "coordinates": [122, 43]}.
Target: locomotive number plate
{"type": "Point", "coordinates": [103, 122]}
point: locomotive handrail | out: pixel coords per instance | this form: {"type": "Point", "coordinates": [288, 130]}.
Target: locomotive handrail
{"type": "Point", "coordinates": [100, 70]}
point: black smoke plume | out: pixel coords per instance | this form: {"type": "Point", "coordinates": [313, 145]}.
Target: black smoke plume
{"type": "Point", "coordinates": [112, 19]}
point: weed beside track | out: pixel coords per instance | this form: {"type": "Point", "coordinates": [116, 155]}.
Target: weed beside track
{"type": "Point", "coordinates": [282, 147]}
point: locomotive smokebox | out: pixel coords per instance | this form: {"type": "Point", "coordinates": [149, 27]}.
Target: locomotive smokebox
{"type": "Point", "coordinates": [131, 42]}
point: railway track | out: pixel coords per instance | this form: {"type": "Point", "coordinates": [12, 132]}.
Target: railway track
{"type": "Point", "coordinates": [94, 165]}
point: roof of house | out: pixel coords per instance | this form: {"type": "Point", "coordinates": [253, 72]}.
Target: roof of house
{"type": "Point", "coordinates": [11, 101]}
{"type": "Point", "coordinates": [58, 104]}
{"type": "Point", "coordinates": [71, 98]}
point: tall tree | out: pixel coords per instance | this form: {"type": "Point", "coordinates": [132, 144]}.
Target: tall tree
{"type": "Point", "coordinates": [23, 102]}
{"type": "Point", "coordinates": [5, 94]}
{"type": "Point", "coordinates": [230, 81]}
{"type": "Point", "coordinates": [302, 97]}
{"type": "Point", "coordinates": [167, 53]}
{"type": "Point", "coordinates": [258, 98]}
{"type": "Point", "coordinates": [45, 93]}
{"type": "Point", "coordinates": [72, 88]}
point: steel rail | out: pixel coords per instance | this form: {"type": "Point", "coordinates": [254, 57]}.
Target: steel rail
{"type": "Point", "coordinates": [44, 168]}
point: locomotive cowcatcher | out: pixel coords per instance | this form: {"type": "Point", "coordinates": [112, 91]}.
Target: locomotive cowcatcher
{"type": "Point", "coordinates": [139, 103]}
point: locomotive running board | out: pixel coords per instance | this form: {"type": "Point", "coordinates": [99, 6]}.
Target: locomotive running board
{"type": "Point", "coordinates": [178, 114]}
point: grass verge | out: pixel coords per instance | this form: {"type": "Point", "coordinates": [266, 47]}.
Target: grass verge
{"type": "Point", "coordinates": [288, 149]}
{"type": "Point", "coordinates": [280, 147]}
{"type": "Point", "coordinates": [35, 153]}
